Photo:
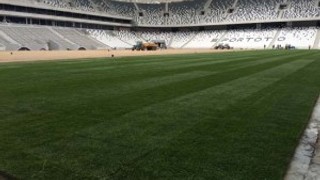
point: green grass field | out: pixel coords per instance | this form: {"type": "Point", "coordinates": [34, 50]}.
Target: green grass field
{"type": "Point", "coordinates": [228, 116]}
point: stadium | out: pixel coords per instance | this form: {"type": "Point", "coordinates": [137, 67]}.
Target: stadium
{"type": "Point", "coordinates": [160, 89]}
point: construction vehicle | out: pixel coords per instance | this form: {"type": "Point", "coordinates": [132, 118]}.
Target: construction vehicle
{"type": "Point", "coordinates": [222, 46]}
{"type": "Point", "coordinates": [142, 46]}
{"type": "Point", "coordinates": [160, 43]}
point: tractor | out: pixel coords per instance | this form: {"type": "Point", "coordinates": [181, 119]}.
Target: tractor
{"type": "Point", "coordinates": [222, 46]}
{"type": "Point", "coordinates": [142, 46]}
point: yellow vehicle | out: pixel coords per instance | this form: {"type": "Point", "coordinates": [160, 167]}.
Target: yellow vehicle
{"type": "Point", "coordinates": [142, 46]}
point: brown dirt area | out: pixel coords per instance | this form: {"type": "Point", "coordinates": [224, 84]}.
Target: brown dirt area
{"type": "Point", "coordinates": [19, 56]}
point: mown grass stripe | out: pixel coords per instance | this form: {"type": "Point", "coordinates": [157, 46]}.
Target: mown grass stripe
{"type": "Point", "coordinates": [120, 79]}
{"type": "Point", "coordinates": [57, 138]}
{"type": "Point", "coordinates": [119, 105]}
{"type": "Point", "coordinates": [252, 136]}
{"type": "Point", "coordinates": [133, 125]}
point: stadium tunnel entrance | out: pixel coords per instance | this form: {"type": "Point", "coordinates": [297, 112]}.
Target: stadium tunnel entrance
{"type": "Point", "coordinates": [24, 49]}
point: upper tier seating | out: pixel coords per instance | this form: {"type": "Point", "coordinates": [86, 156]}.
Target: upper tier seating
{"type": "Point", "coordinates": [187, 12]}
{"type": "Point", "coordinates": [302, 9]}
{"type": "Point", "coordinates": [152, 14]}
{"type": "Point", "coordinates": [217, 11]}
{"type": "Point", "coordinates": [123, 8]}
{"type": "Point", "coordinates": [117, 8]}
{"type": "Point", "coordinates": [57, 3]}
{"type": "Point", "coordinates": [190, 12]}
{"type": "Point", "coordinates": [84, 5]}
{"type": "Point", "coordinates": [251, 10]}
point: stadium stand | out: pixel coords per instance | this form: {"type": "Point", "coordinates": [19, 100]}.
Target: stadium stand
{"type": "Point", "coordinates": [7, 43]}
{"type": "Point", "coordinates": [26, 37]}
{"type": "Point", "coordinates": [84, 5]}
{"type": "Point", "coordinates": [129, 37]}
{"type": "Point", "coordinates": [45, 38]}
{"type": "Point", "coordinates": [221, 4]}
{"type": "Point", "coordinates": [79, 38]}
{"type": "Point", "coordinates": [302, 9]}
{"type": "Point", "coordinates": [186, 12]}
{"type": "Point", "coordinates": [168, 15]}
{"type": "Point", "coordinates": [251, 10]}
{"type": "Point", "coordinates": [2, 47]}
{"type": "Point", "coordinates": [249, 38]}
{"type": "Point", "coordinates": [14, 37]}
{"type": "Point", "coordinates": [151, 14]}
{"type": "Point", "coordinates": [116, 8]}
{"type": "Point", "coordinates": [317, 41]}
{"type": "Point", "coordinates": [123, 8]}
{"type": "Point", "coordinates": [180, 39]}
{"type": "Point", "coordinates": [205, 39]}
{"type": "Point", "coordinates": [109, 38]}
{"type": "Point", "coordinates": [298, 37]}
{"type": "Point", "coordinates": [190, 12]}
{"type": "Point", "coordinates": [157, 35]}
{"type": "Point", "coordinates": [216, 11]}
{"type": "Point", "coordinates": [58, 3]}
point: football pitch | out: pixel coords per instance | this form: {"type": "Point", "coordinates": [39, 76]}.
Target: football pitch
{"type": "Point", "coordinates": [233, 115]}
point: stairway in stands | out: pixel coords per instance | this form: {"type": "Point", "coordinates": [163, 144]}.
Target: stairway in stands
{"type": "Point", "coordinates": [235, 4]}
{"type": "Point", "coordinates": [274, 39]}
{"type": "Point", "coordinates": [316, 44]}
{"type": "Point", "coordinates": [8, 38]}
{"type": "Point", "coordinates": [184, 45]}
{"type": "Point", "coordinates": [96, 6]}
{"type": "Point", "coordinates": [220, 39]}
{"type": "Point", "coordinates": [207, 4]}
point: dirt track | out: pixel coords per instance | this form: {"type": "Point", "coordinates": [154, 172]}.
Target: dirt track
{"type": "Point", "coordinates": [17, 56]}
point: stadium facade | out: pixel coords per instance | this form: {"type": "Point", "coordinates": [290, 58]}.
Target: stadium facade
{"type": "Point", "coordinates": [103, 24]}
